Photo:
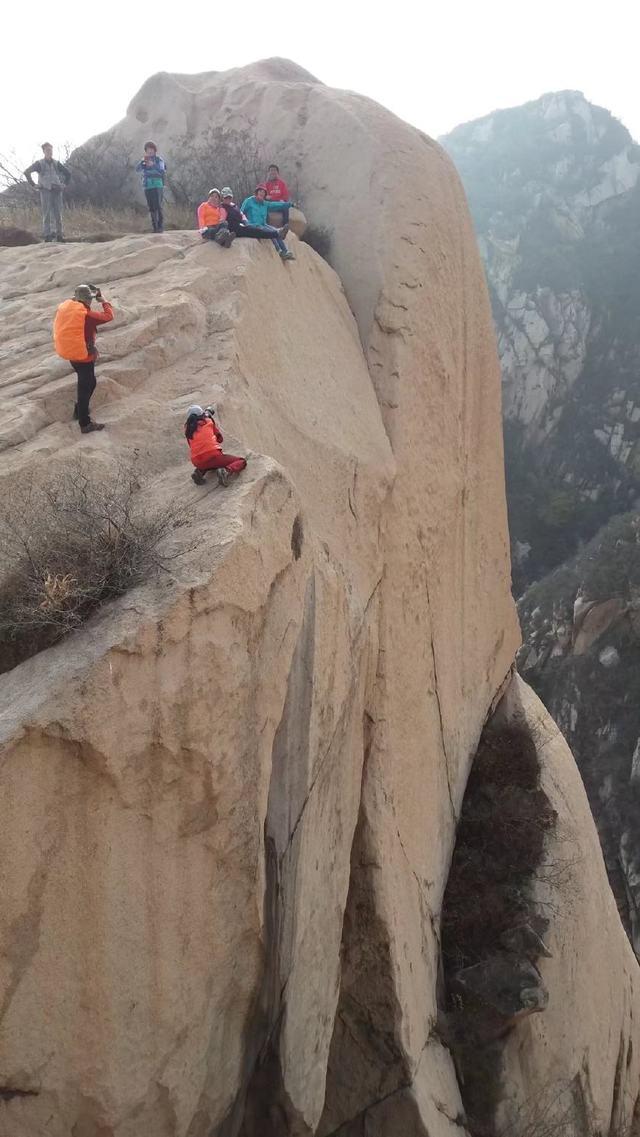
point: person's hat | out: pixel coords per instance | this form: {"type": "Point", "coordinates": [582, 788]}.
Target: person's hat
{"type": "Point", "coordinates": [84, 294]}
{"type": "Point", "coordinates": [261, 186]}
{"type": "Point", "coordinates": [215, 190]}
{"type": "Point", "coordinates": [195, 410]}
{"type": "Point", "coordinates": [227, 191]}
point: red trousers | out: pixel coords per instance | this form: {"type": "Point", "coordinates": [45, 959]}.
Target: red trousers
{"type": "Point", "coordinates": [228, 461]}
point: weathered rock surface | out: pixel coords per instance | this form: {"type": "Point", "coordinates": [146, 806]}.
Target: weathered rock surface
{"type": "Point", "coordinates": [229, 802]}
{"type": "Point", "coordinates": [224, 737]}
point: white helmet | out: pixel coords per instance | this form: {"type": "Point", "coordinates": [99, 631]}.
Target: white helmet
{"type": "Point", "coordinates": [195, 410]}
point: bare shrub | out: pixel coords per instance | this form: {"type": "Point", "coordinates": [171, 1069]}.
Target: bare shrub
{"type": "Point", "coordinates": [499, 851]}
{"type": "Point", "coordinates": [11, 237]}
{"type": "Point", "coordinates": [499, 848]}
{"type": "Point", "coordinates": [69, 545]}
{"type": "Point", "coordinates": [102, 172]}
{"type": "Point", "coordinates": [219, 156]}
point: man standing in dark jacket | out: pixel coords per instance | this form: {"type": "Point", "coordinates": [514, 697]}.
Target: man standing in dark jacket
{"type": "Point", "coordinates": [52, 178]}
{"type": "Point", "coordinates": [153, 169]}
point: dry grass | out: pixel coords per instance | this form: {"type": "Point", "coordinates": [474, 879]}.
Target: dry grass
{"type": "Point", "coordinates": [70, 545]}
{"type": "Point", "coordinates": [90, 222]}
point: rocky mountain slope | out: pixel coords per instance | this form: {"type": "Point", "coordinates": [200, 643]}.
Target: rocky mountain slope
{"type": "Point", "coordinates": [554, 188]}
{"type": "Point", "coordinates": [581, 626]}
{"type": "Point", "coordinates": [229, 802]}
{"type": "Point", "coordinates": [555, 191]}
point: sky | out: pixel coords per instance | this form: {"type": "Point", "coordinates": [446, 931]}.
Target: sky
{"type": "Point", "coordinates": [67, 72]}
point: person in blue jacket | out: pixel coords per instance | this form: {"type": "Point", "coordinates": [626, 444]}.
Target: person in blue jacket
{"type": "Point", "coordinates": [153, 169]}
{"type": "Point", "coordinates": [255, 208]}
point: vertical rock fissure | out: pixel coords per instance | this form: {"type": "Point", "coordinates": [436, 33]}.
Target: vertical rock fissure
{"type": "Point", "coordinates": [367, 1063]}
{"type": "Point", "coordinates": [263, 1108]}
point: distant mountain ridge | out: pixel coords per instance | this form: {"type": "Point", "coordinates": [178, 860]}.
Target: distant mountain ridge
{"type": "Point", "coordinates": [554, 189]}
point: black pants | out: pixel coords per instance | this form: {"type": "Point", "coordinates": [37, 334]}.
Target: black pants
{"type": "Point", "coordinates": [211, 232]}
{"type": "Point", "coordinates": [261, 232]}
{"type": "Point", "coordinates": [86, 373]}
{"type": "Point", "coordinates": [154, 201]}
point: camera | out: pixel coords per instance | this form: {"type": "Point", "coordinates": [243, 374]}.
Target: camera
{"type": "Point", "coordinates": [94, 289]}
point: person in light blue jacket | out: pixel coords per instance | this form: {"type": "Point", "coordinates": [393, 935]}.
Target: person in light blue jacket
{"type": "Point", "coordinates": [255, 208]}
{"type": "Point", "coordinates": [153, 169]}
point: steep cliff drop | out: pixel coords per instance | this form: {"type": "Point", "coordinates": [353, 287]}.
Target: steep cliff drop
{"type": "Point", "coordinates": [229, 802]}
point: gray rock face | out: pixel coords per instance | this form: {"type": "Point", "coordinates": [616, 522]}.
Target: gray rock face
{"type": "Point", "coordinates": [554, 187]}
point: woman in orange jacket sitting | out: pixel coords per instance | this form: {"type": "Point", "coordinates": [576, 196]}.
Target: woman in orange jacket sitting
{"type": "Point", "coordinates": [212, 220]}
{"type": "Point", "coordinates": [205, 443]}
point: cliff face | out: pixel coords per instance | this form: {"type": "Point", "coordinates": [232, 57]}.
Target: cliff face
{"type": "Point", "coordinates": [230, 801]}
{"type": "Point", "coordinates": [554, 187]}
{"type": "Point", "coordinates": [582, 655]}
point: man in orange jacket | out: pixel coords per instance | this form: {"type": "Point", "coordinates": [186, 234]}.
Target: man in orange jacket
{"type": "Point", "coordinates": [74, 337]}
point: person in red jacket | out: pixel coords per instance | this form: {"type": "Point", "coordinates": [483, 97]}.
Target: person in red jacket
{"type": "Point", "coordinates": [205, 444]}
{"type": "Point", "coordinates": [277, 190]}
{"type": "Point", "coordinates": [74, 337]}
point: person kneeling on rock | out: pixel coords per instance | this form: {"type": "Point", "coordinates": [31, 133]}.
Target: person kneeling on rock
{"type": "Point", "coordinates": [205, 443]}
{"type": "Point", "coordinates": [212, 220]}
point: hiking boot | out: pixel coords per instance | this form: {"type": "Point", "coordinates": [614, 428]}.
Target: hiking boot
{"type": "Point", "coordinates": [288, 255]}
{"type": "Point", "coordinates": [282, 232]}
{"type": "Point", "coordinates": [223, 476]}
{"type": "Point", "coordinates": [221, 236]}
{"type": "Point", "coordinates": [198, 478]}
{"type": "Point", "coordinates": [91, 426]}
{"type": "Point", "coordinates": [60, 240]}
{"type": "Point", "coordinates": [229, 238]}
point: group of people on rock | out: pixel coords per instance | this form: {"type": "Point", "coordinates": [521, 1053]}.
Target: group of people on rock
{"type": "Point", "coordinates": [75, 324]}
{"type": "Point", "coordinates": [74, 337]}
{"type": "Point", "coordinates": [220, 219]}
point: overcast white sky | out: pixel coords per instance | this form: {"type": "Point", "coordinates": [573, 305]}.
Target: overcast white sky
{"type": "Point", "coordinates": [68, 71]}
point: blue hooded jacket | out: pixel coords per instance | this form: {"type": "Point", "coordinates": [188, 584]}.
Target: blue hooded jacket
{"type": "Point", "coordinates": [152, 173]}
{"type": "Point", "coordinates": [256, 211]}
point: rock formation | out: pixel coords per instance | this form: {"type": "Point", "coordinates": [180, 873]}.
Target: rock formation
{"type": "Point", "coordinates": [554, 187]}
{"type": "Point", "coordinates": [229, 802]}
{"type": "Point", "coordinates": [582, 656]}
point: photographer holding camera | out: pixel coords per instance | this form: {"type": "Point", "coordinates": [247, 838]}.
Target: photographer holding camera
{"type": "Point", "coordinates": [74, 338]}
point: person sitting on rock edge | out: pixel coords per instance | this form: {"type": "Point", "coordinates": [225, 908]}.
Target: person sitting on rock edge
{"type": "Point", "coordinates": [256, 209]}
{"type": "Point", "coordinates": [239, 225]}
{"type": "Point", "coordinates": [153, 169]}
{"type": "Point", "coordinates": [205, 444]}
{"type": "Point", "coordinates": [212, 220]}
{"type": "Point", "coordinates": [278, 192]}
{"type": "Point", "coordinates": [74, 338]}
